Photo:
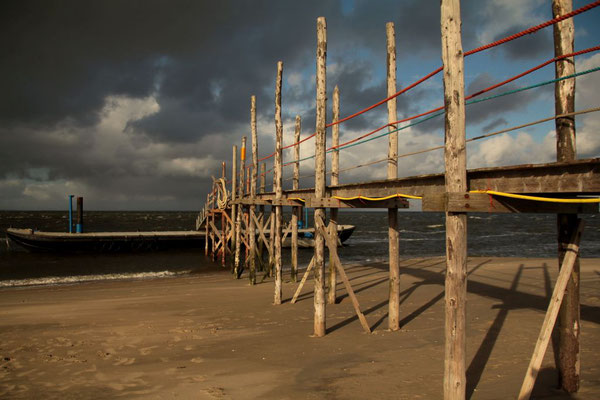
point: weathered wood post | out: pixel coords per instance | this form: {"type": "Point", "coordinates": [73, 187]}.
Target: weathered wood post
{"type": "Point", "coordinates": [251, 229]}
{"type": "Point", "coordinates": [296, 209]}
{"type": "Point", "coordinates": [278, 184]}
{"type": "Point", "coordinates": [238, 220]}
{"type": "Point", "coordinates": [234, 207]}
{"type": "Point", "coordinates": [333, 212]}
{"type": "Point", "coordinates": [261, 210]}
{"type": "Point", "coordinates": [321, 115]}
{"type": "Point", "coordinates": [223, 222]}
{"type": "Point", "coordinates": [206, 224]}
{"type": "Point", "coordinates": [392, 173]}
{"type": "Point", "coordinates": [455, 157]}
{"type": "Point", "coordinates": [271, 242]}
{"type": "Point", "coordinates": [568, 327]}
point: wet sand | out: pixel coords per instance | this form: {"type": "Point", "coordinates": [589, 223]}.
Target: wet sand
{"type": "Point", "coordinates": [208, 336]}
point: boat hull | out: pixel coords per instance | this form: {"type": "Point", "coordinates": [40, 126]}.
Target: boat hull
{"type": "Point", "coordinates": [104, 242]}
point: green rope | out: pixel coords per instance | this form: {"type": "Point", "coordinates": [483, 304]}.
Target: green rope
{"type": "Point", "coordinates": [533, 86]}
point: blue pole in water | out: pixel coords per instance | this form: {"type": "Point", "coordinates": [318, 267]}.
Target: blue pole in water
{"type": "Point", "coordinates": [70, 213]}
{"type": "Point", "coordinates": [79, 223]}
{"type": "Point", "coordinates": [306, 224]}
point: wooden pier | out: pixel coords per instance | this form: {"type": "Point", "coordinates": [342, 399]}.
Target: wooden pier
{"type": "Point", "coordinates": [239, 230]}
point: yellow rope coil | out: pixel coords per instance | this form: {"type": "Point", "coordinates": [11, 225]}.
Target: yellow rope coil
{"type": "Point", "coordinates": [222, 195]}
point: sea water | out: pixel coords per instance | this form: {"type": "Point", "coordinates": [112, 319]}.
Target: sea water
{"type": "Point", "coordinates": [421, 235]}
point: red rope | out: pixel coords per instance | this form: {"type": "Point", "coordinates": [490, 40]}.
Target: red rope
{"type": "Point", "coordinates": [535, 28]}
{"type": "Point", "coordinates": [577, 53]}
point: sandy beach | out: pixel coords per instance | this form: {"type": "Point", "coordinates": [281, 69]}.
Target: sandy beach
{"type": "Point", "coordinates": [208, 336]}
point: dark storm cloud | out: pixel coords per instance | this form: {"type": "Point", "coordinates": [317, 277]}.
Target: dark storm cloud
{"type": "Point", "coordinates": [529, 46]}
{"type": "Point", "coordinates": [200, 61]}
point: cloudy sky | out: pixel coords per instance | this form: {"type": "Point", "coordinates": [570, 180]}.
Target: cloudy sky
{"type": "Point", "coordinates": [134, 104]}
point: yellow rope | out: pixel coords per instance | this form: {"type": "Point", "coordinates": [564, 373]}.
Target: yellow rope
{"type": "Point", "coordinates": [492, 192]}
{"type": "Point", "coordinates": [536, 198]}
{"type": "Point", "coordinates": [408, 196]}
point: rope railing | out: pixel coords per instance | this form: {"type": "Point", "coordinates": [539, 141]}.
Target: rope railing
{"type": "Point", "coordinates": [589, 110]}
{"type": "Point", "coordinates": [525, 32]}
{"type": "Point", "coordinates": [577, 200]}
{"type": "Point", "coordinates": [354, 142]}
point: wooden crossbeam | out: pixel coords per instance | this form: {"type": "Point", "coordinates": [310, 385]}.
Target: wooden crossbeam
{"type": "Point", "coordinates": [574, 177]}
{"type": "Point", "coordinates": [550, 319]}
{"type": "Point", "coordinates": [287, 231]}
{"type": "Point", "coordinates": [261, 232]}
{"type": "Point", "coordinates": [320, 226]}
{"type": "Point", "coordinates": [218, 233]}
{"type": "Point", "coordinates": [481, 202]}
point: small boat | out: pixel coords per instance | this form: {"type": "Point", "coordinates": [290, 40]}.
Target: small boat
{"type": "Point", "coordinates": [114, 242]}
{"type": "Point", "coordinates": [104, 242]}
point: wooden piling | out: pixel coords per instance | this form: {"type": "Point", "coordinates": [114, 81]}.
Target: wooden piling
{"type": "Point", "coordinates": [568, 327]}
{"type": "Point", "coordinates": [234, 207]}
{"type": "Point", "coordinates": [296, 210]}
{"type": "Point", "coordinates": [240, 211]}
{"type": "Point", "coordinates": [278, 184]}
{"type": "Point", "coordinates": [333, 212]}
{"type": "Point", "coordinates": [392, 173]}
{"type": "Point", "coordinates": [321, 115]}
{"type": "Point", "coordinates": [252, 208]}
{"type": "Point", "coordinates": [456, 182]}
{"type": "Point", "coordinates": [206, 215]}
{"type": "Point", "coordinates": [261, 209]}
{"type": "Point", "coordinates": [223, 222]}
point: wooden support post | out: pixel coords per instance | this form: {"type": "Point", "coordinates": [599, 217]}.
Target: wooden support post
{"type": "Point", "coordinates": [238, 220]}
{"type": "Point", "coordinates": [271, 242]}
{"type": "Point", "coordinates": [335, 180]}
{"type": "Point", "coordinates": [213, 254]}
{"type": "Point", "coordinates": [252, 208]}
{"type": "Point", "coordinates": [223, 222]}
{"type": "Point", "coordinates": [564, 276]}
{"type": "Point", "coordinates": [568, 327]}
{"type": "Point", "coordinates": [456, 181]}
{"type": "Point", "coordinates": [234, 207]}
{"type": "Point", "coordinates": [206, 216]}
{"type": "Point", "coordinates": [278, 184]}
{"type": "Point", "coordinates": [392, 173]}
{"type": "Point", "coordinates": [321, 111]}
{"type": "Point", "coordinates": [261, 209]}
{"type": "Point", "coordinates": [296, 210]}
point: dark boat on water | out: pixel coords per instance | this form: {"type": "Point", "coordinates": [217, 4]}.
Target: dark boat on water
{"type": "Point", "coordinates": [104, 242]}
{"type": "Point", "coordinates": [112, 242]}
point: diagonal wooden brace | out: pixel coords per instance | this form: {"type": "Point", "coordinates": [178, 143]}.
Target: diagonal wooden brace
{"type": "Point", "coordinates": [303, 281]}
{"type": "Point", "coordinates": [552, 313]}
{"type": "Point", "coordinates": [332, 244]}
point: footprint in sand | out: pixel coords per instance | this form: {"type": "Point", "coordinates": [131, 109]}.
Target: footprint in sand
{"type": "Point", "coordinates": [216, 392]}
{"type": "Point", "coordinates": [147, 350]}
{"type": "Point", "coordinates": [124, 361]}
